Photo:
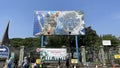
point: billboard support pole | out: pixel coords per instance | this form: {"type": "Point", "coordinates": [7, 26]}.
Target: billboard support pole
{"type": "Point", "coordinates": [77, 50]}
{"type": "Point", "coordinates": [69, 46]}
{"type": "Point", "coordinates": [42, 43]}
{"type": "Point", "coordinates": [42, 40]}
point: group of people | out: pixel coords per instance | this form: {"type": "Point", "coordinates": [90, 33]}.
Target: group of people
{"type": "Point", "coordinates": [11, 63]}
{"type": "Point", "coordinates": [67, 62]}
{"type": "Point", "coordinates": [29, 62]}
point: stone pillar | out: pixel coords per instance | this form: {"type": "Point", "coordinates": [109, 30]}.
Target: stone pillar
{"type": "Point", "coordinates": [21, 55]}
{"type": "Point", "coordinates": [103, 55]}
{"type": "Point", "coordinates": [118, 49]}
{"type": "Point", "coordinates": [83, 55]}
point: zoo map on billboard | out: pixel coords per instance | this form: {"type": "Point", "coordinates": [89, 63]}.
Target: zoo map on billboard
{"type": "Point", "coordinates": [53, 54]}
{"type": "Point", "coordinates": [58, 23]}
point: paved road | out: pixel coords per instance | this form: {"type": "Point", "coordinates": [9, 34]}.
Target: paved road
{"type": "Point", "coordinates": [63, 66]}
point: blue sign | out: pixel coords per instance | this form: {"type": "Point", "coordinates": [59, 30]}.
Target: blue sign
{"type": "Point", "coordinates": [4, 52]}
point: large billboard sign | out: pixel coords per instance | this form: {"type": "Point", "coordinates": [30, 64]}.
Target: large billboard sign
{"type": "Point", "coordinates": [53, 54]}
{"type": "Point", "coordinates": [58, 23]}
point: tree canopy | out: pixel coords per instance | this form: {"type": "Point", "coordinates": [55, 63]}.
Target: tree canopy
{"type": "Point", "coordinates": [91, 38]}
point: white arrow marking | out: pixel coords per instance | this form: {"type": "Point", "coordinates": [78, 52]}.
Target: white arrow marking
{"type": "Point", "coordinates": [3, 49]}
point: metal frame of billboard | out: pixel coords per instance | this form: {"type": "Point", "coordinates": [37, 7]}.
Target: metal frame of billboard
{"type": "Point", "coordinates": [58, 23]}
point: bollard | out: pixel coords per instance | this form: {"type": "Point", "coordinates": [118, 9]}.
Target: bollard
{"type": "Point", "coordinates": [114, 66]}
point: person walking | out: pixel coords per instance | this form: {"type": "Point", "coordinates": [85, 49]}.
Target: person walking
{"type": "Point", "coordinates": [67, 62]}
{"type": "Point", "coordinates": [16, 63]}
{"type": "Point", "coordinates": [59, 63]}
{"type": "Point", "coordinates": [33, 61]}
{"type": "Point", "coordinates": [9, 63]}
{"type": "Point", "coordinates": [25, 63]}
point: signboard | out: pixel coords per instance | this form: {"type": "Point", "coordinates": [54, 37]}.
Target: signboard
{"type": "Point", "coordinates": [53, 54]}
{"type": "Point", "coordinates": [74, 61]}
{"type": "Point", "coordinates": [58, 23]}
{"type": "Point", "coordinates": [106, 42]}
{"type": "Point", "coordinates": [4, 52]}
{"type": "Point", "coordinates": [117, 56]}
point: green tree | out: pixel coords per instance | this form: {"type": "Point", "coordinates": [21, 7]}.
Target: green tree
{"type": "Point", "coordinates": [31, 42]}
{"type": "Point", "coordinates": [28, 42]}
{"type": "Point", "coordinates": [90, 38]}
{"type": "Point", "coordinates": [16, 42]}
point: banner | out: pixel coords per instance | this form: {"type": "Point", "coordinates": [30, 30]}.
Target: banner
{"type": "Point", "coordinates": [52, 54]}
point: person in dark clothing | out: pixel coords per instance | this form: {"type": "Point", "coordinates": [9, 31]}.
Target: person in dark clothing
{"type": "Point", "coordinates": [33, 60]}
{"type": "Point", "coordinates": [16, 63]}
{"type": "Point", "coordinates": [67, 62]}
{"type": "Point", "coordinates": [29, 61]}
{"type": "Point", "coordinates": [59, 63]}
{"type": "Point", "coordinates": [28, 58]}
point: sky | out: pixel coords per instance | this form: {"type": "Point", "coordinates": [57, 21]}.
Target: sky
{"type": "Point", "coordinates": [102, 15]}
